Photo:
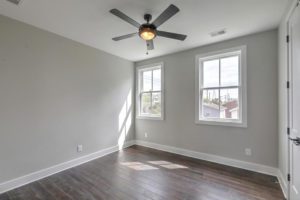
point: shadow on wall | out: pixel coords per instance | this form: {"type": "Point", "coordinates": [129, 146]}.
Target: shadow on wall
{"type": "Point", "coordinates": [125, 120]}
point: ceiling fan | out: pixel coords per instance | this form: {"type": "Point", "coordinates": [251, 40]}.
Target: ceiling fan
{"type": "Point", "coordinates": [148, 31]}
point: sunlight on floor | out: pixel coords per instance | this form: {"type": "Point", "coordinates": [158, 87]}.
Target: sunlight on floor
{"type": "Point", "coordinates": [174, 166]}
{"type": "Point", "coordinates": [131, 163]}
{"type": "Point", "coordinates": [167, 164]}
{"type": "Point", "coordinates": [138, 166]}
{"type": "Point", "coordinates": [160, 163]}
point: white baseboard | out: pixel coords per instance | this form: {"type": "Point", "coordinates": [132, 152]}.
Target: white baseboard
{"type": "Point", "coordinates": [212, 158]}
{"type": "Point", "coordinates": [283, 183]}
{"type": "Point", "coordinates": [18, 182]}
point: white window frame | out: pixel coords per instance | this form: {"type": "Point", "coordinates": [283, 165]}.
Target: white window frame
{"type": "Point", "coordinates": [140, 69]}
{"type": "Point", "coordinates": [242, 122]}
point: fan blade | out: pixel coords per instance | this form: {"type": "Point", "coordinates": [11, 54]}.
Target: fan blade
{"type": "Point", "coordinates": [167, 14]}
{"type": "Point", "coordinates": [150, 45]}
{"type": "Point", "coordinates": [124, 36]}
{"type": "Point", "coordinates": [121, 15]}
{"type": "Point", "coordinates": [175, 36]}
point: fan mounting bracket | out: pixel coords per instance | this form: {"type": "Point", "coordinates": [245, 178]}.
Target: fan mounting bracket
{"type": "Point", "coordinates": [148, 17]}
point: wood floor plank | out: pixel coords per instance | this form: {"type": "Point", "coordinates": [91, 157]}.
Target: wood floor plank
{"type": "Point", "coordinates": [139, 173]}
{"type": "Point", "coordinates": [4, 197]}
{"type": "Point", "coordinates": [55, 191]}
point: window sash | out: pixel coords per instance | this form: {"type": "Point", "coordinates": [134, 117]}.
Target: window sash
{"type": "Point", "coordinates": [149, 68]}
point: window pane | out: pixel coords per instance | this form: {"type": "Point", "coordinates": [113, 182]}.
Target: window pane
{"type": "Point", "coordinates": [145, 103]}
{"type": "Point", "coordinates": [157, 80]}
{"type": "Point", "coordinates": [210, 104]}
{"type": "Point", "coordinates": [230, 71]}
{"type": "Point", "coordinates": [147, 81]}
{"type": "Point", "coordinates": [211, 73]}
{"type": "Point", "coordinates": [151, 106]}
{"type": "Point", "coordinates": [230, 103]}
{"type": "Point", "coordinates": [156, 104]}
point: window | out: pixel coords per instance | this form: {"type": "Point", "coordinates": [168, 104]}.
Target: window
{"type": "Point", "coordinates": [150, 97]}
{"type": "Point", "coordinates": [221, 88]}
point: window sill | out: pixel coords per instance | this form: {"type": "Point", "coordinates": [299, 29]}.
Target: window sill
{"type": "Point", "coordinates": [150, 118]}
{"type": "Point", "coordinates": [222, 123]}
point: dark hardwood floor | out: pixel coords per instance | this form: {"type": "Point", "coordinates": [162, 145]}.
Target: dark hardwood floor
{"type": "Point", "coordinates": [142, 173]}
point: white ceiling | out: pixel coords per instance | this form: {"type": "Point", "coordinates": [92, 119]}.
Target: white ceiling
{"type": "Point", "coordinates": [89, 21]}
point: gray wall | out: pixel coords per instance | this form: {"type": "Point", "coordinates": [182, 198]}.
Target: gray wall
{"type": "Point", "coordinates": [179, 130]}
{"type": "Point", "coordinates": [54, 94]}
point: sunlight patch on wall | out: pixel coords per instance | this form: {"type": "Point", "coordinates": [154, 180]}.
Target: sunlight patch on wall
{"type": "Point", "coordinates": [129, 101]}
{"type": "Point", "coordinates": [128, 123]}
{"type": "Point", "coordinates": [125, 120]}
{"type": "Point", "coordinates": [122, 116]}
{"type": "Point", "coordinates": [122, 139]}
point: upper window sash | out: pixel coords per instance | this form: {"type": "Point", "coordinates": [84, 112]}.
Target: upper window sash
{"type": "Point", "coordinates": [220, 57]}
{"type": "Point", "coordinates": [141, 77]}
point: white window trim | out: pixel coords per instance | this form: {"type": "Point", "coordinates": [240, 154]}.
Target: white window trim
{"type": "Point", "coordinates": [242, 89]}
{"type": "Point", "coordinates": [138, 103]}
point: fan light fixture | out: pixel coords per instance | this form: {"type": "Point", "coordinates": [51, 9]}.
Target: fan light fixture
{"type": "Point", "coordinates": [147, 33]}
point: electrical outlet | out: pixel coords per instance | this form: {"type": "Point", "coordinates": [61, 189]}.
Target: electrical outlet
{"type": "Point", "coordinates": [146, 134]}
{"type": "Point", "coordinates": [248, 151]}
{"type": "Point", "coordinates": [79, 148]}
